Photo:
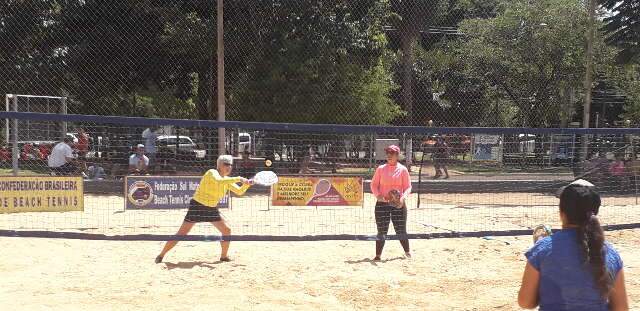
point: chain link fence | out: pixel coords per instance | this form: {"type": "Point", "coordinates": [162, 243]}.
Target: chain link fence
{"type": "Point", "coordinates": [398, 62]}
{"type": "Point", "coordinates": [483, 82]}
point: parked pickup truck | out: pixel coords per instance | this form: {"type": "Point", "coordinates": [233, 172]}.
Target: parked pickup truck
{"type": "Point", "coordinates": [185, 145]}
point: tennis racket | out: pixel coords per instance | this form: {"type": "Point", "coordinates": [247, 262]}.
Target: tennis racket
{"type": "Point", "coordinates": [265, 178]}
{"type": "Point", "coordinates": [322, 187]}
{"type": "Point", "coordinates": [394, 198]}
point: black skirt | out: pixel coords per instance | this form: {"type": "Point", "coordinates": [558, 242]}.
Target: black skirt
{"type": "Point", "coordinates": [201, 213]}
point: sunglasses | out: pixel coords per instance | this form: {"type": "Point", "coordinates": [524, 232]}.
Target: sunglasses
{"type": "Point", "coordinates": [227, 164]}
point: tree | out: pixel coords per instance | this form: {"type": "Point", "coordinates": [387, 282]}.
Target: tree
{"type": "Point", "coordinates": [111, 49]}
{"type": "Point", "coordinates": [410, 19]}
{"type": "Point", "coordinates": [28, 59]}
{"type": "Point", "coordinates": [532, 54]}
{"type": "Point", "coordinates": [626, 79]}
{"type": "Point", "coordinates": [623, 28]}
{"type": "Point", "coordinates": [440, 91]}
{"type": "Point", "coordinates": [315, 61]}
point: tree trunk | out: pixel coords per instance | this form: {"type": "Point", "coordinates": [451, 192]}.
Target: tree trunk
{"type": "Point", "coordinates": [204, 95]}
{"type": "Point", "coordinates": [408, 40]}
{"type": "Point", "coordinates": [407, 76]}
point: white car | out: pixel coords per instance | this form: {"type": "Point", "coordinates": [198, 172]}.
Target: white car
{"type": "Point", "coordinates": [185, 144]}
{"type": "Point", "coordinates": [244, 142]}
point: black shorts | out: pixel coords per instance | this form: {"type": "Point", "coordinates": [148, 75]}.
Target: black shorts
{"type": "Point", "coordinates": [64, 170]}
{"type": "Point", "coordinates": [201, 213]}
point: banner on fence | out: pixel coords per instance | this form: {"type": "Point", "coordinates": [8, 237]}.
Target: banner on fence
{"type": "Point", "coordinates": [487, 147]}
{"type": "Point", "coordinates": [21, 194]}
{"type": "Point", "coordinates": [162, 192]}
{"type": "Point", "coordinates": [317, 191]}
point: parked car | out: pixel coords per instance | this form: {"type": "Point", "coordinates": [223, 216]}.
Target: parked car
{"type": "Point", "coordinates": [244, 143]}
{"type": "Point", "coordinates": [185, 145]}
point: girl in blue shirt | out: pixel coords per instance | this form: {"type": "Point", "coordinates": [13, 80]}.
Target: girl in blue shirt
{"type": "Point", "coordinates": [574, 269]}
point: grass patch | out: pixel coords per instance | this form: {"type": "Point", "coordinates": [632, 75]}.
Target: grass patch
{"type": "Point", "coordinates": [22, 172]}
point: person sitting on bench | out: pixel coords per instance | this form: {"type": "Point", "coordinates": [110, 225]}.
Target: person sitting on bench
{"type": "Point", "coordinates": [138, 162]}
{"type": "Point", "coordinates": [62, 160]}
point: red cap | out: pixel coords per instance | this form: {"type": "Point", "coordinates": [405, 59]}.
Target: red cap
{"type": "Point", "coordinates": [392, 148]}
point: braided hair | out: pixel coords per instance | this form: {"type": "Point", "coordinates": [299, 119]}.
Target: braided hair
{"type": "Point", "coordinates": [580, 205]}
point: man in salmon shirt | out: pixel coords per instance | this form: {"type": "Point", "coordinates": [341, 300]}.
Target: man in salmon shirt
{"type": "Point", "coordinates": [83, 143]}
{"type": "Point", "coordinates": [391, 177]}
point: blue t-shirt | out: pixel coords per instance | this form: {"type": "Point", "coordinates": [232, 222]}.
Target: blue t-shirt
{"type": "Point", "coordinates": [566, 282]}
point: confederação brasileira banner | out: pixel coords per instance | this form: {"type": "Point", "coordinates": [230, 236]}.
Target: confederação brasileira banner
{"type": "Point", "coordinates": [21, 194]}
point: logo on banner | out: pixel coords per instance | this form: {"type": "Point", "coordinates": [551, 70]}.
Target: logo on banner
{"type": "Point", "coordinates": [317, 191]}
{"type": "Point", "coordinates": [140, 193]}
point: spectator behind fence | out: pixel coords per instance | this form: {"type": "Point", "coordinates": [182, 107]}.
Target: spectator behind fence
{"type": "Point", "coordinates": [5, 154]}
{"type": "Point", "coordinates": [45, 151]}
{"type": "Point", "coordinates": [441, 158]}
{"type": "Point", "coordinates": [619, 174]}
{"type": "Point", "coordinates": [83, 143]}
{"type": "Point", "coordinates": [95, 172]}
{"type": "Point", "coordinates": [150, 135]}
{"type": "Point", "coordinates": [28, 152]}
{"type": "Point", "coordinates": [61, 160]}
{"type": "Point", "coordinates": [138, 162]}
{"type": "Point", "coordinates": [574, 269]}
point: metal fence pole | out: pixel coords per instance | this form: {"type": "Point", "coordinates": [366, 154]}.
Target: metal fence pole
{"type": "Point", "coordinates": [221, 104]}
{"type": "Point", "coordinates": [64, 111]}
{"type": "Point", "coordinates": [16, 150]}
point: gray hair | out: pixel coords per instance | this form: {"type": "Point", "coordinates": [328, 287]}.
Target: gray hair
{"type": "Point", "coordinates": [225, 159]}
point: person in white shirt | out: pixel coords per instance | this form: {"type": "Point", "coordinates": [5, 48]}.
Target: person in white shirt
{"type": "Point", "coordinates": [150, 135]}
{"type": "Point", "coordinates": [61, 160]}
{"type": "Point", "coordinates": [138, 162]}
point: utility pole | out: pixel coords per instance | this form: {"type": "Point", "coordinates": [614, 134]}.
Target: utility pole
{"type": "Point", "coordinates": [221, 103]}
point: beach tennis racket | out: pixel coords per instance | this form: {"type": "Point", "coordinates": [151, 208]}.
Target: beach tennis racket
{"type": "Point", "coordinates": [265, 178]}
{"type": "Point", "coordinates": [394, 198]}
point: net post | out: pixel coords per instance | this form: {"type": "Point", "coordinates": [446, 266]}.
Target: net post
{"type": "Point", "coordinates": [269, 198]}
{"type": "Point", "coordinates": [7, 99]}
{"type": "Point", "coordinates": [409, 151]}
{"type": "Point", "coordinates": [420, 177]}
{"type": "Point", "coordinates": [371, 142]}
{"type": "Point", "coordinates": [15, 154]}
{"type": "Point", "coordinates": [64, 111]}
{"type": "Point", "coordinates": [635, 183]}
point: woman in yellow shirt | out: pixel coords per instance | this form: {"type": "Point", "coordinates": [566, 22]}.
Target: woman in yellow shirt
{"type": "Point", "coordinates": [214, 185]}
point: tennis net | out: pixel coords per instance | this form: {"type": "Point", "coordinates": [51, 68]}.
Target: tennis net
{"type": "Point", "coordinates": [498, 181]}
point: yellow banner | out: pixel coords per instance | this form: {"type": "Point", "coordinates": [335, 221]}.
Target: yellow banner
{"type": "Point", "coordinates": [317, 191]}
{"type": "Point", "coordinates": [41, 194]}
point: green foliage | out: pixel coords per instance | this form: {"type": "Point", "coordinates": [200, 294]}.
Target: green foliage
{"type": "Point", "coordinates": [530, 54]}
{"type": "Point", "coordinates": [520, 62]}
{"type": "Point", "coordinates": [333, 71]}
{"type": "Point", "coordinates": [317, 91]}
{"type": "Point", "coordinates": [110, 49]}
{"type": "Point", "coordinates": [627, 79]}
{"type": "Point", "coordinates": [29, 61]}
{"type": "Point", "coordinates": [623, 28]}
